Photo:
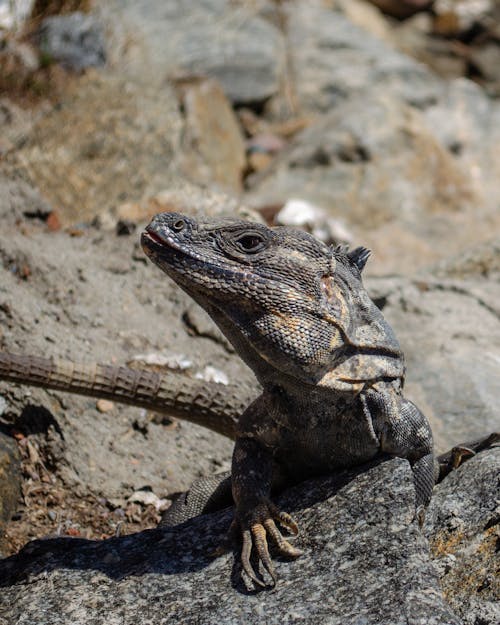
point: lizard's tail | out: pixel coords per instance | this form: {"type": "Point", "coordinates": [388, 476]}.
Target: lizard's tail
{"type": "Point", "coordinates": [214, 406]}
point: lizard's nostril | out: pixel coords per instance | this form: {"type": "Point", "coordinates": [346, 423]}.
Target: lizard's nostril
{"type": "Point", "coordinates": [178, 225]}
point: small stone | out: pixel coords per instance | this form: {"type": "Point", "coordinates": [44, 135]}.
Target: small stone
{"type": "Point", "coordinates": [76, 40]}
{"type": "Point", "coordinates": [104, 405]}
{"type": "Point", "coordinates": [258, 161]}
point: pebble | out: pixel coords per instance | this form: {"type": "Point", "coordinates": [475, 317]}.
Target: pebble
{"type": "Point", "coordinates": [104, 405]}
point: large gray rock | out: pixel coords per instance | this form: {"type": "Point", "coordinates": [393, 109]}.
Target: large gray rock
{"type": "Point", "coordinates": [400, 177]}
{"type": "Point", "coordinates": [331, 59]}
{"type": "Point", "coordinates": [365, 562]}
{"type": "Point", "coordinates": [462, 525]}
{"type": "Point", "coordinates": [215, 38]}
{"type": "Point", "coordinates": [371, 159]}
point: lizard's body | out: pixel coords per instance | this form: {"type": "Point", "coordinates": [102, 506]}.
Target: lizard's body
{"type": "Point", "coordinates": [330, 368]}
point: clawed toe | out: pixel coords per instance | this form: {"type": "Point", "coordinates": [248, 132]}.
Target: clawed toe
{"type": "Point", "coordinates": [255, 534]}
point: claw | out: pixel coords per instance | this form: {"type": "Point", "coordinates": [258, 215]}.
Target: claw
{"type": "Point", "coordinates": [285, 519]}
{"type": "Point", "coordinates": [284, 547]}
{"type": "Point", "coordinates": [245, 559]}
{"type": "Point", "coordinates": [459, 454]}
{"type": "Point", "coordinates": [260, 541]}
{"type": "Point", "coordinates": [260, 524]}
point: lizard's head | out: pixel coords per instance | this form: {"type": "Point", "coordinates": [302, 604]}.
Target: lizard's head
{"type": "Point", "coordinates": [289, 303]}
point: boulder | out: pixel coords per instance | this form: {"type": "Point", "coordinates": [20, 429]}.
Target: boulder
{"type": "Point", "coordinates": [243, 51]}
{"type": "Point", "coordinates": [213, 145]}
{"type": "Point", "coordinates": [365, 562]}
{"type": "Point", "coordinates": [331, 59]}
{"type": "Point", "coordinates": [462, 526]}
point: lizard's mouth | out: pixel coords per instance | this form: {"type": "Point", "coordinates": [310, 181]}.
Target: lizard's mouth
{"type": "Point", "coordinates": [152, 242]}
{"type": "Point", "coordinates": [148, 234]}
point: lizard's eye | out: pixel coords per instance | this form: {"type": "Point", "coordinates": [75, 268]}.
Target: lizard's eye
{"type": "Point", "coordinates": [250, 243]}
{"type": "Point", "coordinates": [178, 225]}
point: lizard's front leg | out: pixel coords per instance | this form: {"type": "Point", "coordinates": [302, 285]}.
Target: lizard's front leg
{"type": "Point", "coordinates": [405, 432]}
{"type": "Point", "coordinates": [252, 475]}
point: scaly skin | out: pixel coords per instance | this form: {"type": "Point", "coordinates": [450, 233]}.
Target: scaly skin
{"type": "Point", "coordinates": [215, 406]}
{"type": "Point", "coordinates": [330, 366]}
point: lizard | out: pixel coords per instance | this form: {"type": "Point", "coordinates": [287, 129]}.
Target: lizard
{"type": "Point", "coordinates": [330, 368]}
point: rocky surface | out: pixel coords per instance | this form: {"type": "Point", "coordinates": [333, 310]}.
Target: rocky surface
{"type": "Point", "coordinates": [363, 555]}
{"type": "Point", "coordinates": [463, 528]}
{"type": "Point", "coordinates": [224, 40]}
{"type": "Point", "coordinates": [331, 58]}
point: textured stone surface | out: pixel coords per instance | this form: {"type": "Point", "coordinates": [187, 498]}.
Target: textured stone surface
{"type": "Point", "coordinates": [101, 304]}
{"type": "Point", "coordinates": [213, 145]}
{"type": "Point", "coordinates": [331, 58]}
{"type": "Point", "coordinates": [400, 177]}
{"type": "Point", "coordinates": [463, 527]}
{"type": "Point", "coordinates": [215, 38]}
{"type": "Point", "coordinates": [76, 40]}
{"type": "Point", "coordinates": [348, 160]}
{"type": "Point", "coordinates": [365, 562]}
{"type": "Point", "coordinates": [108, 140]}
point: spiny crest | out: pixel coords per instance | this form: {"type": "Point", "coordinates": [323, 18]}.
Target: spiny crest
{"type": "Point", "coordinates": [358, 256]}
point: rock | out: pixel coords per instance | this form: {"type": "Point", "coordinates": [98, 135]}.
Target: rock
{"type": "Point", "coordinates": [12, 14]}
{"type": "Point", "coordinates": [18, 197]}
{"type": "Point", "coordinates": [486, 58]}
{"type": "Point", "coordinates": [104, 405]}
{"type": "Point", "coordinates": [373, 162]}
{"type": "Point", "coordinates": [365, 561]}
{"type": "Point", "coordinates": [10, 482]}
{"type": "Point", "coordinates": [18, 65]}
{"type": "Point", "coordinates": [243, 51]}
{"type": "Point", "coordinates": [481, 261]}
{"type": "Point", "coordinates": [366, 16]}
{"type": "Point", "coordinates": [449, 330]}
{"type": "Point", "coordinates": [213, 145]}
{"type": "Point", "coordinates": [401, 178]}
{"type": "Point", "coordinates": [76, 40]}
{"type": "Point", "coordinates": [84, 167]}
{"type": "Point", "coordinates": [462, 526]}
{"type": "Point", "coordinates": [332, 59]}
{"type": "Point", "coordinates": [467, 123]}
{"type": "Point", "coordinates": [183, 197]}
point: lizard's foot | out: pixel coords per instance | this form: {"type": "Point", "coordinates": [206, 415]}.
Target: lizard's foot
{"type": "Point", "coordinates": [255, 526]}
{"type": "Point", "coordinates": [461, 453]}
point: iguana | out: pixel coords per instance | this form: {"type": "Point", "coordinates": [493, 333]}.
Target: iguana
{"type": "Point", "coordinates": [330, 368]}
